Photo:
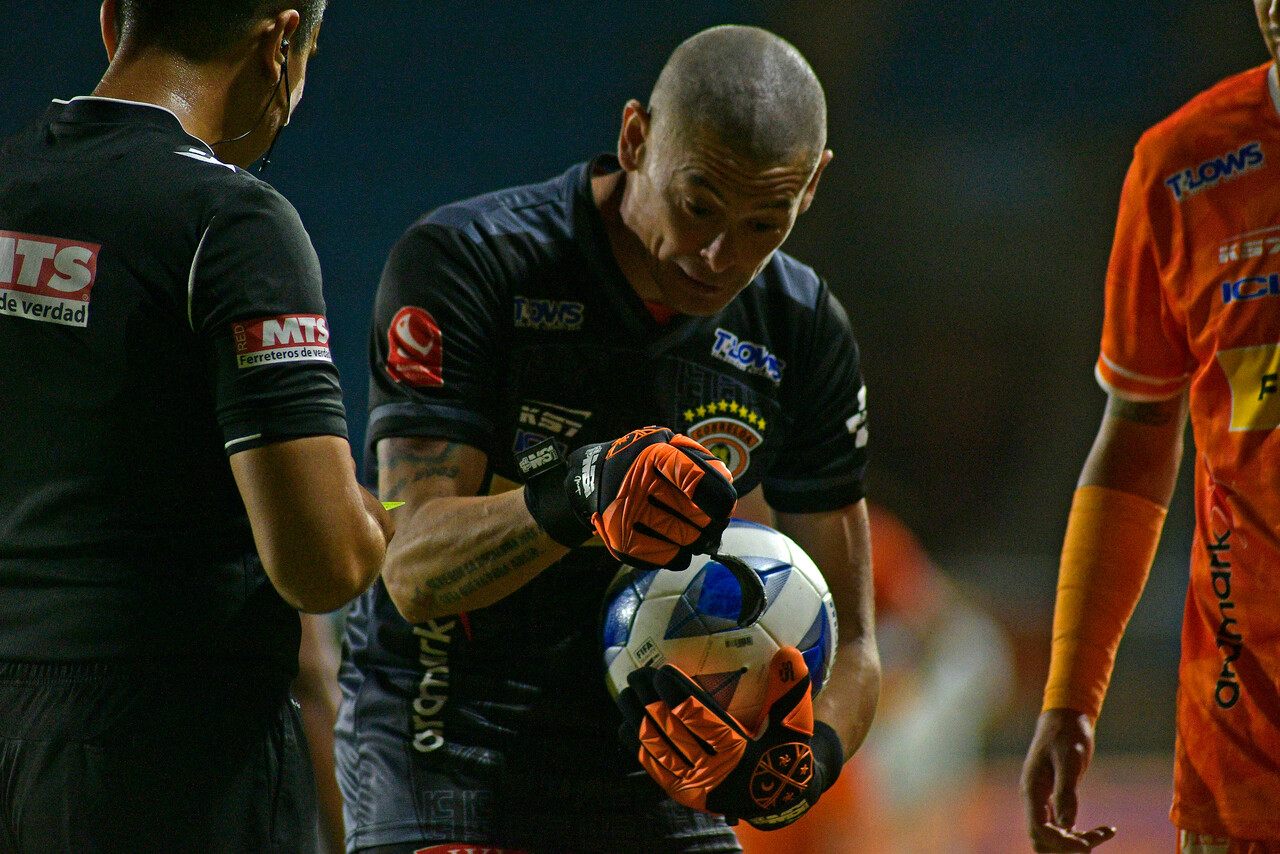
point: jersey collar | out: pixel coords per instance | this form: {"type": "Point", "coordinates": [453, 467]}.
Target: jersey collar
{"type": "Point", "coordinates": [98, 110]}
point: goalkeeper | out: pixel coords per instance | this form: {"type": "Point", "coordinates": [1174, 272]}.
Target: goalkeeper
{"type": "Point", "coordinates": [584, 372]}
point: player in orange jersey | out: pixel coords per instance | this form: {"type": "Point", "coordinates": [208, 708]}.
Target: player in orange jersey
{"type": "Point", "coordinates": [1192, 325]}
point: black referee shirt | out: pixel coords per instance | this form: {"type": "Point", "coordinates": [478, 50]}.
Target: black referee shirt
{"type": "Point", "coordinates": [159, 310]}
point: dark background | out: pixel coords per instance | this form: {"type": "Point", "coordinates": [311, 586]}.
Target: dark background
{"type": "Point", "coordinates": [965, 222]}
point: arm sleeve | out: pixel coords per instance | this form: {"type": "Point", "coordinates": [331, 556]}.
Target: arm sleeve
{"type": "Point", "coordinates": [1144, 355]}
{"type": "Point", "coordinates": [256, 306]}
{"type": "Point", "coordinates": [822, 466]}
{"type": "Point", "coordinates": [438, 340]}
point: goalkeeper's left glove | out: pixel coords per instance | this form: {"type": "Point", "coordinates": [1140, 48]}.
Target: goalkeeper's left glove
{"type": "Point", "coordinates": [704, 758]}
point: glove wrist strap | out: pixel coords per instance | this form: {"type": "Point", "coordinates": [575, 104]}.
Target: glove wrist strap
{"type": "Point", "coordinates": [546, 496]}
{"type": "Point", "coordinates": [828, 753]}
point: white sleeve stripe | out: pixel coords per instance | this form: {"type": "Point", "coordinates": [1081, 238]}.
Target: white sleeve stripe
{"type": "Point", "coordinates": [191, 277]}
{"type": "Point", "coordinates": [228, 445]}
{"type": "Point", "coordinates": [1142, 378]}
{"type": "Point", "coordinates": [1136, 397]}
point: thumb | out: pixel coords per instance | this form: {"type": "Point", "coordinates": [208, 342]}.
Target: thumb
{"type": "Point", "coordinates": [787, 699]}
{"type": "Point", "coordinates": [1069, 768]}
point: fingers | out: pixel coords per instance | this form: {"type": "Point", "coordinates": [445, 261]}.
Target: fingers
{"type": "Point", "coordinates": [1051, 839]}
{"type": "Point", "coordinates": [787, 698]}
{"type": "Point", "coordinates": [674, 500]}
{"type": "Point", "coordinates": [683, 745]}
{"type": "Point", "coordinates": [1051, 775]}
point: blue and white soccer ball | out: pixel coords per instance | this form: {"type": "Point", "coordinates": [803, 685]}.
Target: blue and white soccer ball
{"type": "Point", "coordinates": [690, 619]}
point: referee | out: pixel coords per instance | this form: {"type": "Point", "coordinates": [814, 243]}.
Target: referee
{"type": "Point", "coordinates": [176, 481]}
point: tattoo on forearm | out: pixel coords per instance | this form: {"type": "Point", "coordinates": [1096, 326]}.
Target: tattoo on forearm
{"type": "Point", "coordinates": [406, 465]}
{"type": "Point", "coordinates": [1156, 414]}
{"type": "Point", "coordinates": [498, 562]}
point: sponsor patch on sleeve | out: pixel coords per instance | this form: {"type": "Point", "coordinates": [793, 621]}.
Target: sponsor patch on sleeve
{"type": "Point", "coordinates": [46, 278]}
{"type": "Point", "coordinates": [415, 348]}
{"type": "Point", "coordinates": [277, 340]}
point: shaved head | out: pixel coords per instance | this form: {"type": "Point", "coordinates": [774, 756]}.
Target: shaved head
{"type": "Point", "coordinates": [750, 89]}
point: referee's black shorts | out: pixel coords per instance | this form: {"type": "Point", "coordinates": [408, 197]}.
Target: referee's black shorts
{"type": "Point", "coordinates": [105, 758]}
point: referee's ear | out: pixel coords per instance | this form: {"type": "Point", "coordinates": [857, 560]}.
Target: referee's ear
{"type": "Point", "coordinates": [273, 37]}
{"type": "Point", "coordinates": [110, 24]}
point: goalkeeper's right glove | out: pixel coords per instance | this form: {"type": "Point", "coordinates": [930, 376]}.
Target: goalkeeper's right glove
{"type": "Point", "coordinates": [707, 760]}
{"type": "Point", "coordinates": [655, 497]}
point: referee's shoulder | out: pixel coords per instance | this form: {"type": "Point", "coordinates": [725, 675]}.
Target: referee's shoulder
{"type": "Point", "coordinates": [190, 166]}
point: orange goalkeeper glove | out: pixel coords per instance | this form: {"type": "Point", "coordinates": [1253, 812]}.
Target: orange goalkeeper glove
{"type": "Point", "coordinates": [655, 497]}
{"type": "Point", "coordinates": [704, 759]}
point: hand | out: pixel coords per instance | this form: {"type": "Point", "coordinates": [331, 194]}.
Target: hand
{"type": "Point", "coordinates": [704, 759]}
{"type": "Point", "coordinates": [655, 497]}
{"type": "Point", "coordinates": [1059, 754]}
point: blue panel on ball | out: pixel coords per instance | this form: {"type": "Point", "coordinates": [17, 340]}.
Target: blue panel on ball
{"type": "Point", "coordinates": [817, 633]}
{"type": "Point", "coordinates": [619, 616]}
{"type": "Point", "coordinates": [684, 622]}
{"type": "Point", "coordinates": [774, 573]}
{"type": "Point", "coordinates": [813, 659]}
{"type": "Point", "coordinates": [643, 581]}
{"type": "Point", "coordinates": [720, 600]}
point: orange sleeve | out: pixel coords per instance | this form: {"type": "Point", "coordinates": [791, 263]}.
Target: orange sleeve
{"type": "Point", "coordinates": [1144, 356]}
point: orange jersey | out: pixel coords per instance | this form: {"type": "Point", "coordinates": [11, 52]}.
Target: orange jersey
{"type": "Point", "coordinates": [1193, 302]}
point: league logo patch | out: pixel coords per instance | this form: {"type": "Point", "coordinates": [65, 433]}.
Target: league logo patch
{"type": "Point", "coordinates": [731, 436]}
{"type": "Point", "coordinates": [416, 348]}
{"type": "Point", "coordinates": [287, 338]}
{"type": "Point", "coordinates": [46, 278]}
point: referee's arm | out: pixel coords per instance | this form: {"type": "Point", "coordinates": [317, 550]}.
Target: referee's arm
{"type": "Point", "coordinates": [320, 535]}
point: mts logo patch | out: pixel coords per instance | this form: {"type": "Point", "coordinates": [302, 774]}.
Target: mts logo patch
{"type": "Point", "coordinates": [46, 278]}
{"type": "Point", "coordinates": [287, 338]}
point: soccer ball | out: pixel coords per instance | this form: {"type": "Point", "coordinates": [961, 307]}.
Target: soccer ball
{"type": "Point", "coordinates": [690, 619]}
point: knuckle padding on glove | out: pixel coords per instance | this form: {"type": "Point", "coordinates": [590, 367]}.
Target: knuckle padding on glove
{"type": "Point", "coordinates": [769, 779]}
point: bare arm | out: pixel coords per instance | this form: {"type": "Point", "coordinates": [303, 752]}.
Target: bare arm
{"type": "Point", "coordinates": [321, 536]}
{"type": "Point", "coordinates": [840, 544]}
{"type": "Point", "coordinates": [455, 550]}
{"type": "Point", "coordinates": [1137, 450]}
{"type": "Point", "coordinates": [316, 689]}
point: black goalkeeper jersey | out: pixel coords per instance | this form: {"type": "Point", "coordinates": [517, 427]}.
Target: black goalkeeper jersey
{"type": "Point", "coordinates": [505, 320]}
{"type": "Point", "coordinates": [159, 310]}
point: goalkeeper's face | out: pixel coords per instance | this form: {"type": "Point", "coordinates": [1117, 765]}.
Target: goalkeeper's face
{"type": "Point", "coordinates": [709, 218]}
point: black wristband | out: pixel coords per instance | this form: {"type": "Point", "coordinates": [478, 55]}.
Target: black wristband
{"type": "Point", "coordinates": [545, 494]}
{"type": "Point", "coordinates": [828, 753]}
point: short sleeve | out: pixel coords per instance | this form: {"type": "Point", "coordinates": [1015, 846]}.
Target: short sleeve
{"type": "Point", "coordinates": [438, 340]}
{"type": "Point", "coordinates": [1144, 355]}
{"type": "Point", "coordinates": [255, 303]}
{"type": "Point", "coordinates": [822, 466]}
